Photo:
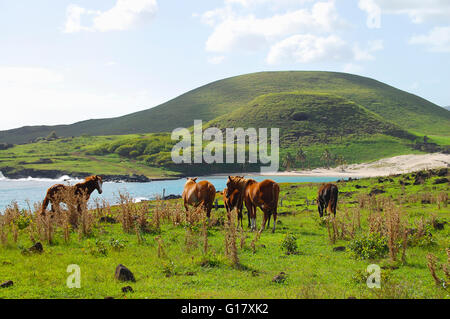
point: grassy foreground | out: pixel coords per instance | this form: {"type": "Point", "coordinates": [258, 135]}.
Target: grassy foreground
{"type": "Point", "coordinates": [169, 259]}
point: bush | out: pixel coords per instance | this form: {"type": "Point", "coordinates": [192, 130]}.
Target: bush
{"type": "Point", "coordinates": [289, 244]}
{"type": "Point", "coordinates": [371, 246]}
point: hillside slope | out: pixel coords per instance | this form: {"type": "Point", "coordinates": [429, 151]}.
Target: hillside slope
{"type": "Point", "coordinates": [309, 118]}
{"type": "Point", "coordinates": [224, 96]}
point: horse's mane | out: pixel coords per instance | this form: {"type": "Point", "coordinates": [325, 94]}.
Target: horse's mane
{"type": "Point", "coordinates": [89, 179]}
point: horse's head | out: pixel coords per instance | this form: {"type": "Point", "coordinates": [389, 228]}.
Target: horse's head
{"type": "Point", "coordinates": [234, 182]}
{"type": "Point", "coordinates": [98, 183]}
{"type": "Point", "coordinates": [191, 180]}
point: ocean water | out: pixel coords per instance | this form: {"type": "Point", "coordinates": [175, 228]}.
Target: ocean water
{"type": "Point", "coordinates": [31, 190]}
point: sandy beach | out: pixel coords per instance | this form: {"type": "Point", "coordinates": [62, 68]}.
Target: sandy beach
{"type": "Point", "coordinates": [384, 167]}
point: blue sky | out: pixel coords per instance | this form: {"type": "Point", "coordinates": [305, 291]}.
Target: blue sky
{"type": "Point", "coordinates": [66, 61]}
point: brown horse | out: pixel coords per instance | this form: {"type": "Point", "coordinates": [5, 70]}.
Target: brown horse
{"type": "Point", "coordinates": [327, 199]}
{"type": "Point", "coordinates": [78, 193]}
{"type": "Point", "coordinates": [263, 195]}
{"type": "Point", "coordinates": [231, 202]}
{"type": "Point", "coordinates": [199, 194]}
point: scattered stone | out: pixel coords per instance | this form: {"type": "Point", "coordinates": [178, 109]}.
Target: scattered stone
{"type": "Point", "coordinates": [339, 248]}
{"type": "Point", "coordinates": [36, 248]}
{"type": "Point", "coordinates": [109, 297]}
{"type": "Point", "coordinates": [438, 225]}
{"type": "Point", "coordinates": [127, 289]}
{"type": "Point", "coordinates": [441, 181]}
{"type": "Point", "coordinates": [108, 219]}
{"type": "Point", "coordinates": [280, 278]}
{"type": "Point", "coordinates": [7, 284]}
{"type": "Point", "coordinates": [124, 274]}
{"type": "Point", "coordinates": [255, 273]}
{"type": "Point", "coordinates": [262, 246]}
{"type": "Point", "coordinates": [190, 273]}
{"type": "Point", "coordinates": [376, 191]}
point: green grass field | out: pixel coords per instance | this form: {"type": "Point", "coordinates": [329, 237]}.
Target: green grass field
{"type": "Point", "coordinates": [182, 269]}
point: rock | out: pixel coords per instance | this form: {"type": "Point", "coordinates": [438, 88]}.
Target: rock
{"type": "Point", "coordinates": [442, 172]}
{"type": "Point", "coordinates": [438, 225]}
{"type": "Point", "coordinates": [36, 248]}
{"type": "Point", "coordinates": [376, 191]}
{"type": "Point", "coordinates": [262, 246]}
{"type": "Point", "coordinates": [7, 284]}
{"type": "Point", "coordinates": [441, 181]}
{"type": "Point", "coordinates": [171, 196]}
{"type": "Point", "coordinates": [339, 248]}
{"type": "Point", "coordinates": [255, 273]}
{"type": "Point", "coordinates": [109, 297]}
{"type": "Point", "coordinates": [124, 274]}
{"type": "Point", "coordinates": [127, 289]}
{"type": "Point", "coordinates": [280, 278]}
{"type": "Point", "coordinates": [108, 219]}
{"type": "Point", "coordinates": [190, 273]}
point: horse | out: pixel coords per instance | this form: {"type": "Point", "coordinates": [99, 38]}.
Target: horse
{"type": "Point", "coordinates": [231, 202]}
{"type": "Point", "coordinates": [263, 195]}
{"type": "Point", "coordinates": [327, 199]}
{"type": "Point", "coordinates": [199, 194]}
{"type": "Point", "coordinates": [78, 193]}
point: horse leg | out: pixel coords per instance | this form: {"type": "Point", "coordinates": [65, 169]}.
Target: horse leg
{"type": "Point", "coordinates": [264, 222]}
{"type": "Point", "coordinates": [274, 220]}
{"type": "Point", "coordinates": [240, 218]}
{"type": "Point", "coordinates": [268, 221]}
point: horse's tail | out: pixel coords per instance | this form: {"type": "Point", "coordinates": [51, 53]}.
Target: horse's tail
{"type": "Point", "coordinates": [45, 203]}
{"type": "Point", "coordinates": [275, 196]}
{"type": "Point", "coordinates": [333, 200]}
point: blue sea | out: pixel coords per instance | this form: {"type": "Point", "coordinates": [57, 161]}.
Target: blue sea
{"type": "Point", "coordinates": [33, 189]}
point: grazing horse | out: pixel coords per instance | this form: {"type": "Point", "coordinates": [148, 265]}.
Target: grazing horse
{"type": "Point", "coordinates": [263, 195]}
{"type": "Point", "coordinates": [231, 202]}
{"type": "Point", "coordinates": [327, 199]}
{"type": "Point", "coordinates": [78, 193]}
{"type": "Point", "coordinates": [199, 194]}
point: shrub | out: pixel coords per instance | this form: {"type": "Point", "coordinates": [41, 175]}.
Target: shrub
{"type": "Point", "coordinates": [289, 244]}
{"type": "Point", "coordinates": [371, 246]}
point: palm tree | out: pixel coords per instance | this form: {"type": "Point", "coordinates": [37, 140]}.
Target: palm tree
{"type": "Point", "coordinates": [326, 157]}
{"type": "Point", "coordinates": [301, 156]}
{"type": "Point", "coordinates": [288, 161]}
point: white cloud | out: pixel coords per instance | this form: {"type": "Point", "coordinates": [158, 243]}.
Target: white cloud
{"type": "Point", "coordinates": [366, 54]}
{"type": "Point", "coordinates": [249, 3]}
{"type": "Point", "coordinates": [418, 11]}
{"type": "Point", "coordinates": [309, 48]}
{"type": "Point", "coordinates": [124, 15]}
{"type": "Point", "coordinates": [373, 13]}
{"type": "Point", "coordinates": [248, 32]}
{"type": "Point", "coordinates": [437, 40]}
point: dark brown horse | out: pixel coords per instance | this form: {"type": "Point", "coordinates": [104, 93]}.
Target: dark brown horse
{"type": "Point", "coordinates": [263, 195]}
{"type": "Point", "coordinates": [231, 202]}
{"type": "Point", "coordinates": [327, 199]}
{"type": "Point", "coordinates": [72, 195]}
{"type": "Point", "coordinates": [199, 194]}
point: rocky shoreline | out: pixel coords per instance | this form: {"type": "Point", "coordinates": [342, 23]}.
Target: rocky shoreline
{"type": "Point", "coordinates": [12, 173]}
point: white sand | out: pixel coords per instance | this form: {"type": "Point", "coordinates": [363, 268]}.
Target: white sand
{"type": "Point", "coordinates": [384, 167]}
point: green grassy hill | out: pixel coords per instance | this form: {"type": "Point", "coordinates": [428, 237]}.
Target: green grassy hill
{"type": "Point", "coordinates": [222, 97]}
{"type": "Point", "coordinates": [309, 118]}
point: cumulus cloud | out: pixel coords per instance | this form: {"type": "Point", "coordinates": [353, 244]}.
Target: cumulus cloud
{"type": "Point", "coordinates": [232, 31]}
{"type": "Point", "coordinates": [373, 13]}
{"type": "Point", "coordinates": [309, 48]}
{"type": "Point", "coordinates": [418, 11]}
{"type": "Point", "coordinates": [124, 15]}
{"type": "Point", "coordinates": [437, 40]}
